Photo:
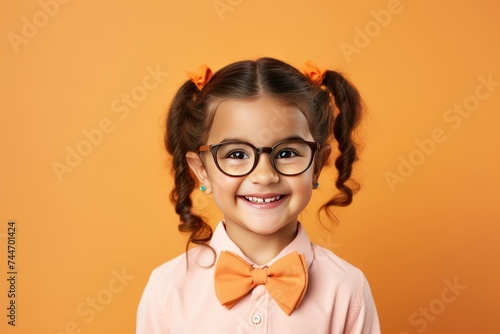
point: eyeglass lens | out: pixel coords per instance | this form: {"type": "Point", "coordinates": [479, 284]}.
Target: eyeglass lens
{"type": "Point", "coordinates": [288, 158]}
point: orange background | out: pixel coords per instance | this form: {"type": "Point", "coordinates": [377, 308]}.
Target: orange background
{"type": "Point", "coordinates": [437, 225]}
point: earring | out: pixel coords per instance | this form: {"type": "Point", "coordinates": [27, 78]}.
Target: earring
{"type": "Point", "coordinates": [316, 185]}
{"type": "Point", "coordinates": [203, 188]}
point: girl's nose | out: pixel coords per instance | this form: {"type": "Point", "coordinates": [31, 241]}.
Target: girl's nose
{"type": "Point", "coordinates": [264, 172]}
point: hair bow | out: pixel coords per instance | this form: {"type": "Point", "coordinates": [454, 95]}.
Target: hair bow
{"type": "Point", "coordinates": [314, 73]}
{"type": "Point", "coordinates": [202, 77]}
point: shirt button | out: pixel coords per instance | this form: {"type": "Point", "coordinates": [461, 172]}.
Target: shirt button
{"type": "Point", "coordinates": [256, 318]}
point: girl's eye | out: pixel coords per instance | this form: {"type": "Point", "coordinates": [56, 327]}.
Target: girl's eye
{"type": "Point", "coordinates": [237, 155]}
{"type": "Point", "coordinates": [286, 154]}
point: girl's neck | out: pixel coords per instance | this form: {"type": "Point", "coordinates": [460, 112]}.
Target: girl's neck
{"type": "Point", "coordinates": [261, 248]}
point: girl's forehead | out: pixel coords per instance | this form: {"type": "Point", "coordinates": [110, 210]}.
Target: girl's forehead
{"type": "Point", "coordinates": [262, 122]}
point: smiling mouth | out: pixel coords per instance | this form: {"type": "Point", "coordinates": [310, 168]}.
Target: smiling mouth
{"type": "Point", "coordinates": [253, 199]}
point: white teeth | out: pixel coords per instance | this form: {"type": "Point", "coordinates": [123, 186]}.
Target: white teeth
{"type": "Point", "coordinates": [262, 200]}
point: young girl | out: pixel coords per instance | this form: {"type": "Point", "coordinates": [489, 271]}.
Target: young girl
{"type": "Point", "coordinates": [255, 136]}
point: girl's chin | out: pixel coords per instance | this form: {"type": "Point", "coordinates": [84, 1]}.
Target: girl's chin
{"type": "Point", "coordinates": [264, 225]}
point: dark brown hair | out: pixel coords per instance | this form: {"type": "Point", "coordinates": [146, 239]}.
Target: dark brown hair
{"type": "Point", "coordinates": [333, 110]}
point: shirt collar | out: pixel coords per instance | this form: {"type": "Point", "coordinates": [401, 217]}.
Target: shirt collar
{"type": "Point", "coordinates": [221, 242]}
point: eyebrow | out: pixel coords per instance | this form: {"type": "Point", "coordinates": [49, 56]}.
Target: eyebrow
{"type": "Point", "coordinates": [226, 140]}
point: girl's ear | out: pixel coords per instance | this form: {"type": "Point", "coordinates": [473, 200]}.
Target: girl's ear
{"type": "Point", "coordinates": [323, 155]}
{"type": "Point", "coordinates": [199, 170]}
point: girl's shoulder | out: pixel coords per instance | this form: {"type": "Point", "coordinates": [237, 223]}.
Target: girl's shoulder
{"type": "Point", "coordinates": [183, 266]}
{"type": "Point", "coordinates": [171, 266]}
{"type": "Point", "coordinates": [330, 263]}
{"type": "Point", "coordinates": [171, 279]}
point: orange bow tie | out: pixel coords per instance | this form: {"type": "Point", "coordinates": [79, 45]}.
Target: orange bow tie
{"type": "Point", "coordinates": [285, 279]}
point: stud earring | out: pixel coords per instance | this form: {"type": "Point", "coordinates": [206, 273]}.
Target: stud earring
{"type": "Point", "coordinates": [316, 185]}
{"type": "Point", "coordinates": [203, 188]}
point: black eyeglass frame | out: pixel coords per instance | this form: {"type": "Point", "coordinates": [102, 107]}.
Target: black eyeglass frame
{"type": "Point", "coordinates": [314, 146]}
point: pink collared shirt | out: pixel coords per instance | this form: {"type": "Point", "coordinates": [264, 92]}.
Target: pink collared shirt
{"type": "Point", "coordinates": [179, 300]}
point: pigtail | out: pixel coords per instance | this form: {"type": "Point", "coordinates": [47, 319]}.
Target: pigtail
{"type": "Point", "coordinates": [349, 105]}
{"type": "Point", "coordinates": [182, 135]}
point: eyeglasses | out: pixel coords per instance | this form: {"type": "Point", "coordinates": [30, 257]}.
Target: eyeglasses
{"type": "Point", "coordinates": [239, 158]}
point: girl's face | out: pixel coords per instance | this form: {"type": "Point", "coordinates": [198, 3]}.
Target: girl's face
{"type": "Point", "coordinates": [242, 200]}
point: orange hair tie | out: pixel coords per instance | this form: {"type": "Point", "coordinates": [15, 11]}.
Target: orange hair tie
{"type": "Point", "coordinates": [202, 77]}
{"type": "Point", "coordinates": [314, 73]}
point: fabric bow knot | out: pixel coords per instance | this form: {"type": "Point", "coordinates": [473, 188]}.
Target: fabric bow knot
{"type": "Point", "coordinates": [286, 280]}
{"type": "Point", "coordinates": [314, 73]}
{"type": "Point", "coordinates": [201, 77]}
